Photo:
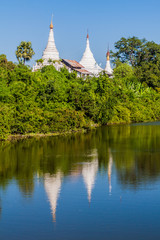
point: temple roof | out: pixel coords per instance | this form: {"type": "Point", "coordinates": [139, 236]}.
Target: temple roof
{"type": "Point", "coordinates": [83, 71]}
{"type": "Point", "coordinates": [73, 63]}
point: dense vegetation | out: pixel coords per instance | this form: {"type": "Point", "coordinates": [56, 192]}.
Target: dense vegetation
{"type": "Point", "coordinates": [143, 56]}
{"type": "Point", "coordinates": [48, 101]}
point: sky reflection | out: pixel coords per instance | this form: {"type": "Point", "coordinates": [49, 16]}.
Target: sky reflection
{"type": "Point", "coordinates": [105, 182]}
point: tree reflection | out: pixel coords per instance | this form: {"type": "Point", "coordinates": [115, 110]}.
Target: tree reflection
{"type": "Point", "coordinates": [0, 208]}
{"type": "Point", "coordinates": [136, 153]}
{"type": "Point", "coordinates": [132, 149]}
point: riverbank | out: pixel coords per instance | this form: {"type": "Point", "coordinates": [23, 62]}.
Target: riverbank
{"type": "Point", "coordinates": [18, 137]}
{"type": "Point", "coordinates": [56, 103]}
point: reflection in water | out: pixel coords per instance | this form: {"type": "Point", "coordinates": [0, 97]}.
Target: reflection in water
{"type": "Point", "coordinates": [52, 184]}
{"type": "Point", "coordinates": [0, 207]}
{"type": "Point", "coordinates": [110, 163]}
{"type": "Point", "coordinates": [89, 172]}
{"type": "Point", "coordinates": [133, 150]}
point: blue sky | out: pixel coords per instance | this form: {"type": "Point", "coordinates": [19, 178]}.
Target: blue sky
{"type": "Point", "coordinates": [107, 22]}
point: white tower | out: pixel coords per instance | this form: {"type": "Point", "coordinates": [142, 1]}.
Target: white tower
{"type": "Point", "coordinates": [88, 60]}
{"type": "Point", "coordinates": [52, 186]}
{"type": "Point", "coordinates": [108, 68]}
{"type": "Point", "coordinates": [51, 51]}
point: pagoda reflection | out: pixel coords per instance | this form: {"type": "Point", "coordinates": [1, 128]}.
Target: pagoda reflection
{"type": "Point", "coordinates": [89, 172]}
{"type": "Point", "coordinates": [110, 163]}
{"type": "Point", "coordinates": [52, 184]}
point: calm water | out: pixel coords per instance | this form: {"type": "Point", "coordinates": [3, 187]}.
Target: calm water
{"type": "Point", "coordinates": [101, 185]}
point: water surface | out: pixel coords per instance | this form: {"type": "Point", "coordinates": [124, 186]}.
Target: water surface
{"type": "Point", "coordinates": [101, 185]}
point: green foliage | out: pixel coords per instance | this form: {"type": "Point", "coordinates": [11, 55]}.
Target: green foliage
{"type": "Point", "coordinates": [49, 101]}
{"type": "Point", "coordinates": [6, 120]}
{"type": "Point", "coordinates": [24, 52]}
{"type": "Point", "coordinates": [129, 50]}
{"type": "Point", "coordinates": [143, 56]}
{"type": "Point", "coordinates": [123, 70]}
{"type": "Point", "coordinates": [40, 61]}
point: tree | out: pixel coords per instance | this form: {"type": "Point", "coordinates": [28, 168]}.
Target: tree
{"type": "Point", "coordinates": [3, 59]}
{"type": "Point", "coordinates": [150, 54]}
{"type": "Point", "coordinates": [143, 56]}
{"type": "Point", "coordinates": [39, 61]}
{"type": "Point", "coordinates": [24, 52]}
{"type": "Point", "coordinates": [129, 50]}
{"type": "Point", "coordinates": [4, 63]}
{"type": "Point", "coordinates": [136, 51]}
{"type": "Point", "coordinates": [123, 70]}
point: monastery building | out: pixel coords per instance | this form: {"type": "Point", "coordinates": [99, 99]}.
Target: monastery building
{"type": "Point", "coordinates": [86, 67]}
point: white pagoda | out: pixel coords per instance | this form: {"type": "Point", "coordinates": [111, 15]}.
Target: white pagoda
{"type": "Point", "coordinates": [108, 68]}
{"type": "Point", "coordinates": [52, 186]}
{"type": "Point", "coordinates": [88, 60]}
{"type": "Point", "coordinates": [50, 54]}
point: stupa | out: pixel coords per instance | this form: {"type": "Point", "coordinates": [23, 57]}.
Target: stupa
{"type": "Point", "coordinates": [86, 67]}
{"type": "Point", "coordinates": [50, 54]}
{"type": "Point", "coordinates": [108, 68]}
{"type": "Point", "coordinates": [88, 60]}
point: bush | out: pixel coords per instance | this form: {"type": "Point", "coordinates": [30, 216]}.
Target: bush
{"type": "Point", "coordinates": [50, 101]}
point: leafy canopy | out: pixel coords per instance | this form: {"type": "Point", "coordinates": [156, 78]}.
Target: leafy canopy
{"type": "Point", "coordinates": [24, 52]}
{"type": "Point", "coordinates": [143, 56]}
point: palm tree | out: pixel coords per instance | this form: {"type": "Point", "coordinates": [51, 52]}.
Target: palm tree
{"type": "Point", "coordinates": [24, 52]}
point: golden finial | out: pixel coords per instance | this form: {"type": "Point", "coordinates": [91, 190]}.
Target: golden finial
{"type": "Point", "coordinates": [51, 25]}
{"type": "Point", "coordinates": [87, 34]}
{"type": "Point", "coordinates": [108, 54]}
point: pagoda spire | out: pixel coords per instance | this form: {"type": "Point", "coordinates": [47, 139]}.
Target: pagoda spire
{"type": "Point", "coordinates": [87, 34]}
{"type": "Point", "coordinates": [51, 52]}
{"type": "Point", "coordinates": [108, 68]}
{"type": "Point", "coordinates": [108, 54]}
{"type": "Point", "coordinates": [88, 61]}
{"type": "Point", "coordinates": [51, 25]}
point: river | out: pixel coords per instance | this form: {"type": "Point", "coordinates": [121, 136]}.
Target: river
{"type": "Point", "coordinates": [104, 184]}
